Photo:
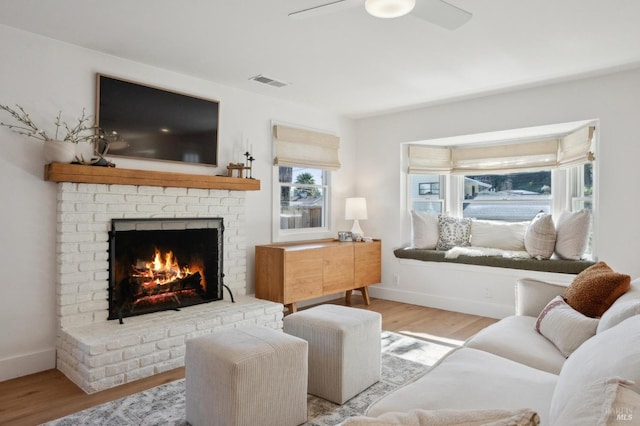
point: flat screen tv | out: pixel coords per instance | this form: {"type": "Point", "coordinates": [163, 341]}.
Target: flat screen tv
{"type": "Point", "coordinates": [145, 122]}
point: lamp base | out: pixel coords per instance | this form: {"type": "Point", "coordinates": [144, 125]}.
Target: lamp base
{"type": "Point", "coordinates": [356, 231]}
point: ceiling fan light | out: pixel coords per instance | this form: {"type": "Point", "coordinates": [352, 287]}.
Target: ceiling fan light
{"type": "Point", "coordinates": [389, 8]}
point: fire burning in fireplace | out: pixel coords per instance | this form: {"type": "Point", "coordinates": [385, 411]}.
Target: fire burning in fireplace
{"type": "Point", "coordinates": [159, 269]}
{"type": "Point", "coordinates": [162, 271]}
{"type": "Point", "coordinates": [164, 278]}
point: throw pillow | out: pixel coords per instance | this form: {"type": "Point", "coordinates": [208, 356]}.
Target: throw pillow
{"type": "Point", "coordinates": [599, 403]}
{"type": "Point", "coordinates": [540, 237]}
{"type": "Point", "coordinates": [424, 230]}
{"type": "Point", "coordinates": [595, 289]}
{"type": "Point", "coordinates": [565, 327]}
{"type": "Point", "coordinates": [618, 312]}
{"type": "Point", "coordinates": [612, 353]}
{"type": "Point", "coordinates": [453, 232]}
{"type": "Point", "coordinates": [498, 234]}
{"type": "Point", "coordinates": [450, 417]}
{"type": "Point", "coordinates": [572, 234]}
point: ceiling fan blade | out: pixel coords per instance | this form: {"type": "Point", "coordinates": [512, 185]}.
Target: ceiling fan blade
{"type": "Point", "coordinates": [441, 13]}
{"type": "Point", "coordinates": [325, 9]}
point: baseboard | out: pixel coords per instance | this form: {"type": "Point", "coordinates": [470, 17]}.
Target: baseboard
{"type": "Point", "coordinates": [467, 306]}
{"type": "Point", "coordinates": [10, 368]}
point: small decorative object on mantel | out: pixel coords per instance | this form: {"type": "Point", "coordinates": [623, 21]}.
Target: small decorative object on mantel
{"type": "Point", "coordinates": [241, 167]}
{"type": "Point", "coordinates": [68, 149]}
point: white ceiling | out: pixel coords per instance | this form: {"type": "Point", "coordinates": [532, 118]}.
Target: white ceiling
{"type": "Point", "coordinates": [349, 62]}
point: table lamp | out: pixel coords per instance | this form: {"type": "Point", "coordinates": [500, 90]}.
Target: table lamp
{"type": "Point", "coordinates": [356, 209]}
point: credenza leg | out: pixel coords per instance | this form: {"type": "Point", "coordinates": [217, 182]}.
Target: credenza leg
{"type": "Point", "coordinates": [291, 308]}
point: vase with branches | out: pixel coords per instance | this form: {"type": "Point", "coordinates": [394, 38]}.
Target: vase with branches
{"type": "Point", "coordinates": [61, 146]}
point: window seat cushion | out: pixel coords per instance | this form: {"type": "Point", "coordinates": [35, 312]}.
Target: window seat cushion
{"type": "Point", "coordinates": [551, 265]}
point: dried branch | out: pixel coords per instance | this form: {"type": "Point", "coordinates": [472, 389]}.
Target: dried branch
{"type": "Point", "coordinates": [82, 131]}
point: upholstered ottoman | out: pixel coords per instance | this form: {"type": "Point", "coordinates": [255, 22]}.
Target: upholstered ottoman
{"type": "Point", "coordinates": [246, 376]}
{"type": "Point", "coordinates": [344, 349]}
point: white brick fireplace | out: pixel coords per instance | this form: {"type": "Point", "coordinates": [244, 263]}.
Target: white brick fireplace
{"type": "Point", "coordinates": [97, 354]}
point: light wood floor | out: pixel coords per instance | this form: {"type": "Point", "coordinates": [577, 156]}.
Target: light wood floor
{"type": "Point", "coordinates": [40, 397]}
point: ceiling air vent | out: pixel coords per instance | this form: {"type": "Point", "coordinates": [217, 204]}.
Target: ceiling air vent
{"type": "Point", "coordinates": [270, 81]}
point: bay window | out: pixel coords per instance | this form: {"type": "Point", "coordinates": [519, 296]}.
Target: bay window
{"type": "Point", "coordinates": [507, 181]}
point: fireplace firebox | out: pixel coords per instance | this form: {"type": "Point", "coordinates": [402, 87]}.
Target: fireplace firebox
{"type": "Point", "coordinates": [164, 264]}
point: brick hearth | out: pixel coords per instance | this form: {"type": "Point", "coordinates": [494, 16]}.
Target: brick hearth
{"type": "Point", "coordinates": [97, 354]}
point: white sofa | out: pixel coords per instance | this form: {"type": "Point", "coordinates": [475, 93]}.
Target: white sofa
{"type": "Point", "coordinates": [510, 366]}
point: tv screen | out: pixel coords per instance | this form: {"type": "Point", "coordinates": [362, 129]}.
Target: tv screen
{"type": "Point", "coordinates": [145, 122]}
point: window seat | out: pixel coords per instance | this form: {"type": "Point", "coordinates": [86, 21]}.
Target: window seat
{"type": "Point", "coordinates": [551, 265]}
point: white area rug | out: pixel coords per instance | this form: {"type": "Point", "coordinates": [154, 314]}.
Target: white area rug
{"type": "Point", "coordinates": [403, 359]}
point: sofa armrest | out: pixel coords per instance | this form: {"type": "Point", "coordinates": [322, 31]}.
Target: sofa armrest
{"type": "Point", "coordinates": [533, 295]}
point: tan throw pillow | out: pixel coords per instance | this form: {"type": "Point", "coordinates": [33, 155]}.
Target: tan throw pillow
{"type": "Point", "coordinates": [595, 289]}
{"type": "Point", "coordinates": [424, 227]}
{"type": "Point", "coordinates": [540, 237]}
{"type": "Point", "coordinates": [564, 326]}
{"type": "Point", "coordinates": [450, 417]}
{"type": "Point", "coordinates": [498, 234]}
{"type": "Point", "coordinates": [572, 234]}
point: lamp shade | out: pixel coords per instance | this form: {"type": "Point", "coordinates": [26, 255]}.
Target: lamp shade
{"type": "Point", "coordinates": [355, 208]}
{"type": "Point", "coordinates": [389, 8]}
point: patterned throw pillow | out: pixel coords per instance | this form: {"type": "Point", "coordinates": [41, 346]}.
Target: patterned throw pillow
{"type": "Point", "coordinates": [452, 232]}
{"type": "Point", "coordinates": [595, 289]}
{"type": "Point", "coordinates": [540, 237]}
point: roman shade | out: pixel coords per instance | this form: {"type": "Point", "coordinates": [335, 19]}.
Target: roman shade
{"type": "Point", "coordinates": [306, 148]}
{"type": "Point", "coordinates": [577, 148]}
{"type": "Point", "coordinates": [543, 154]}
{"type": "Point", "coordinates": [429, 159]}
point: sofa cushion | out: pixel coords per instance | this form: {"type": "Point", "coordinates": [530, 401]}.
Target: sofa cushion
{"type": "Point", "coordinates": [595, 289]}
{"type": "Point", "coordinates": [624, 307]}
{"type": "Point", "coordinates": [488, 417]}
{"type": "Point", "coordinates": [617, 313]}
{"type": "Point", "coordinates": [599, 403]}
{"type": "Point", "coordinates": [424, 230]}
{"type": "Point", "coordinates": [572, 234]}
{"type": "Point", "coordinates": [498, 234]}
{"type": "Point", "coordinates": [472, 379]}
{"type": "Point", "coordinates": [515, 338]}
{"type": "Point", "coordinates": [453, 231]}
{"type": "Point", "coordinates": [564, 326]}
{"type": "Point", "coordinates": [612, 353]}
{"type": "Point", "coordinates": [540, 237]}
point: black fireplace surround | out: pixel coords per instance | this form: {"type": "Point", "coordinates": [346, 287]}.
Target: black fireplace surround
{"type": "Point", "coordinates": [164, 264]}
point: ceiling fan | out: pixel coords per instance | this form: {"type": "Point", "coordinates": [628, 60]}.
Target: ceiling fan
{"type": "Point", "coordinates": [438, 12]}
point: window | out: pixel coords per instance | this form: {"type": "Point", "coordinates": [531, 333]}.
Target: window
{"type": "Point", "coordinates": [424, 193]}
{"type": "Point", "coordinates": [582, 188]}
{"type": "Point", "coordinates": [303, 160]}
{"type": "Point", "coordinates": [303, 200]}
{"type": "Point", "coordinates": [512, 197]}
{"type": "Point", "coordinates": [510, 176]}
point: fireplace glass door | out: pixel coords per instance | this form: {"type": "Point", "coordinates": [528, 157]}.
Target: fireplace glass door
{"type": "Point", "coordinates": [164, 264]}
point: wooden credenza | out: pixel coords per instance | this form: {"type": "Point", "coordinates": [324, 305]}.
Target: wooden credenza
{"type": "Point", "coordinates": [291, 272]}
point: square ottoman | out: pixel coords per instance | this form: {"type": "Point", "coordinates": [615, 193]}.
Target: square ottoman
{"type": "Point", "coordinates": [344, 349]}
{"type": "Point", "coordinates": [246, 376]}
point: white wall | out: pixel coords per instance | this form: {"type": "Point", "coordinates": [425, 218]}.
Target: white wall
{"type": "Point", "coordinates": [45, 76]}
{"type": "Point", "coordinates": [613, 98]}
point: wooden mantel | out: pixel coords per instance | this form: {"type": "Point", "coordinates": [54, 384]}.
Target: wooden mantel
{"type": "Point", "coordinates": [63, 172]}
